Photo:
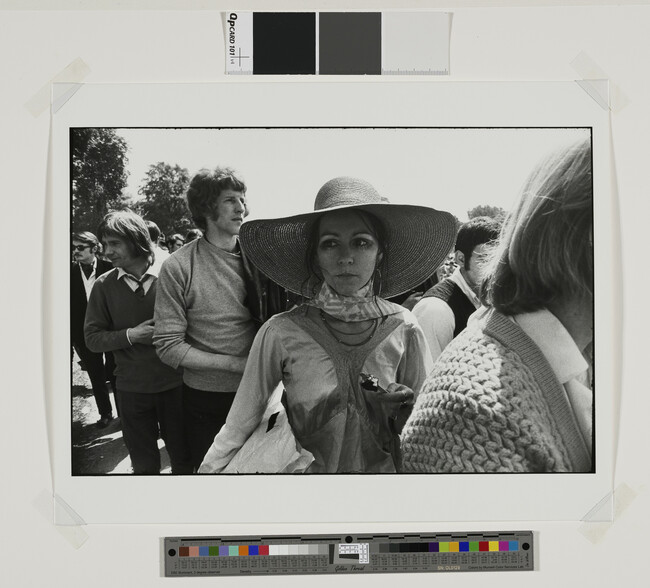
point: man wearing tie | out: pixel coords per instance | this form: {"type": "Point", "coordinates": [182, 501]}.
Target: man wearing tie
{"type": "Point", "coordinates": [86, 268]}
{"type": "Point", "coordinates": [120, 319]}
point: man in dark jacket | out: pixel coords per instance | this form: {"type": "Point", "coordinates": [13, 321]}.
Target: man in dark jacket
{"type": "Point", "coordinates": [86, 268]}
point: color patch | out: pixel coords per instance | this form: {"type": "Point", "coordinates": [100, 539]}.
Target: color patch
{"type": "Point", "coordinates": [473, 546]}
{"type": "Point", "coordinates": [343, 43]}
{"type": "Point", "coordinates": [349, 43]}
{"type": "Point", "coordinates": [504, 545]}
{"type": "Point", "coordinates": [453, 546]}
{"type": "Point", "coordinates": [433, 547]}
{"type": "Point", "coordinates": [243, 550]}
{"type": "Point", "coordinates": [444, 546]}
{"type": "Point", "coordinates": [204, 550]}
{"type": "Point", "coordinates": [463, 546]}
{"type": "Point", "coordinates": [233, 550]}
{"type": "Point", "coordinates": [415, 42]}
{"type": "Point", "coordinates": [263, 549]}
{"type": "Point", "coordinates": [514, 546]}
{"type": "Point", "coordinates": [183, 551]}
{"type": "Point", "coordinates": [483, 546]}
{"type": "Point", "coordinates": [214, 550]}
{"type": "Point", "coordinates": [194, 551]}
{"type": "Point", "coordinates": [253, 550]}
{"type": "Point", "coordinates": [284, 43]}
{"type": "Point", "coordinates": [223, 550]}
{"type": "Point", "coordinates": [494, 545]}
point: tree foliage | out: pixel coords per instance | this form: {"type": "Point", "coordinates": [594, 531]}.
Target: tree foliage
{"type": "Point", "coordinates": [494, 212]}
{"type": "Point", "coordinates": [99, 176]}
{"type": "Point", "coordinates": [163, 191]}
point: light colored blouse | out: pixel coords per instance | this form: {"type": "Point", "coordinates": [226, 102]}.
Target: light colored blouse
{"type": "Point", "coordinates": [326, 405]}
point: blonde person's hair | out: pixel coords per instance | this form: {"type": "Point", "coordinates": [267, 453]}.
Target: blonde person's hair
{"type": "Point", "coordinates": [545, 249]}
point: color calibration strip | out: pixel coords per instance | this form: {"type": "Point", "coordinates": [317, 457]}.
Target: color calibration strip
{"type": "Point", "coordinates": [321, 554]}
{"type": "Point", "coordinates": [337, 43]}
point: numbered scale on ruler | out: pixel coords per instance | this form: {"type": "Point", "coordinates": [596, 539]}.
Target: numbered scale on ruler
{"type": "Point", "coordinates": [327, 554]}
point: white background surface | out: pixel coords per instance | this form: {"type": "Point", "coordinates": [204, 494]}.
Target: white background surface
{"type": "Point", "coordinates": [148, 46]}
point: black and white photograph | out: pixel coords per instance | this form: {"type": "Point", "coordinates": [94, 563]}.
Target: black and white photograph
{"type": "Point", "coordinates": [259, 334]}
{"type": "Point", "coordinates": [316, 301]}
{"type": "Point", "coordinates": [363, 280]}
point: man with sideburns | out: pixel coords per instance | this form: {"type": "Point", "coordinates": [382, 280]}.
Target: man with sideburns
{"type": "Point", "coordinates": [209, 306]}
{"type": "Point", "coordinates": [120, 319]}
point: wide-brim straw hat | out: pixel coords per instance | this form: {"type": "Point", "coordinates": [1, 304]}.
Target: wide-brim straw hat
{"type": "Point", "coordinates": [418, 238]}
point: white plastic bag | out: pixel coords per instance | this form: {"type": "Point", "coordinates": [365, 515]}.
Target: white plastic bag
{"type": "Point", "coordinates": [271, 449]}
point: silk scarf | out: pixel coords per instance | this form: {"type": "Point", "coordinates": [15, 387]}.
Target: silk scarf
{"type": "Point", "coordinates": [362, 307]}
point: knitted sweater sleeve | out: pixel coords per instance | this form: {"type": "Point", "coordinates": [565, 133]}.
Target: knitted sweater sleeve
{"type": "Point", "coordinates": [464, 420]}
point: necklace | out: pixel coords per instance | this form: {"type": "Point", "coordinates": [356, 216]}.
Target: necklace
{"type": "Point", "coordinates": [331, 326]}
{"type": "Point", "coordinates": [332, 330]}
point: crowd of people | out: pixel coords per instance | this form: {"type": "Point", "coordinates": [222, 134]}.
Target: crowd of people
{"type": "Point", "coordinates": [492, 371]}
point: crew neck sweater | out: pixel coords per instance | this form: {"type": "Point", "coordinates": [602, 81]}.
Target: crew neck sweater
{"type": "Point", "coordinates": [201, 303]}
{"type": "Point", "coordinates": [112, 309]}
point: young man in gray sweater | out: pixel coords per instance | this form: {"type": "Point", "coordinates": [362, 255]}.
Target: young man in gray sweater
{"type": "Point", "coordinates": [209, 305]}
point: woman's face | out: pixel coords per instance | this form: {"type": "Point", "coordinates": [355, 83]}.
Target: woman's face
{"type": "Point", "coordinates": [347, 251]}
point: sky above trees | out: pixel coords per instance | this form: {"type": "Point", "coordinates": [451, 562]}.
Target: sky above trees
{"type": "Point", "coordinates": [449, 169]}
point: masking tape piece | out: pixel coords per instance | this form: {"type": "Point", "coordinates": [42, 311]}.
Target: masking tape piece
{"type": "Point", "coordinates": [58, 511]}
{"type": "Point", "coordinates": [68, 523]}
{"type": "Point", "coordinates": [598, 90]}
{"type": "Point", "coordinates": [589, 72]}
{"type": "Point", "coordinates": [61, 93]}
{"type": "Point", "coordinates": [64, 514]}
{"type": "Point", "coordinates": [602, 512]}
{"type": "Point", "coordinates": [75, 536]}
{"type": "Point", "coordinates": [75, 72]}
{"type": "Point", "coordinates": [623, 496]}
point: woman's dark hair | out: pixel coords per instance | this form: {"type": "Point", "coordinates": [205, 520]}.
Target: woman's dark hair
{"type": "Point", "coordinates": [204, 191]}
{"type": "Point", "coordinates": [545, 251]}
{"type": "Point", "coordinates": [375, 227]}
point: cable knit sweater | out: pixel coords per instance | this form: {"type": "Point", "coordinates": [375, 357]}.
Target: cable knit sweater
{"type": "Point", "coordinates": [493, 404]}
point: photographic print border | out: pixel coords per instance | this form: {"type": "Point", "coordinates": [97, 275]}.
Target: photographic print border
{"type": "Point", "coordinates": [579, 492]}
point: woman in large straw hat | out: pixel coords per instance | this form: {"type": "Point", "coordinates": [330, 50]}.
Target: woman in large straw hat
{"type": "Point", "coordinates": [352, 249]}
